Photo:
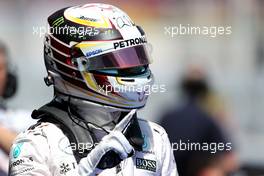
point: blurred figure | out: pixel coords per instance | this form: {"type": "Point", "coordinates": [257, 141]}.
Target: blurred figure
{"type": "Point", "coordinates": [7, 79]}
{"type": "Point", "coordinates": [200, 147]}
{"type": "Point", "coordinates": [10, 121]}
{"type": "Point", "coordinates": [7, 136]}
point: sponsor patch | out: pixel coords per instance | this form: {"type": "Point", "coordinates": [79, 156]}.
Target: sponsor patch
{"type": "Point", "coordinates": [146, 164]}
{"type": "Point", "coordinates": [16, 163]}
{"type": "Point", "coordinates": [23, 171]}
{"type": "Point", "coordinates": [94, 52]}
{"type": "Point", "coordinates": [130, 42]}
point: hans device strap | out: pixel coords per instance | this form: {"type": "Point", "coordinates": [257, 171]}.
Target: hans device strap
{"type": "Point", "coordinates": [57, 113]}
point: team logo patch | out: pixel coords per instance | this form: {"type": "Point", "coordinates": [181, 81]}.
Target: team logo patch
{"type": "Point", "coordinates": [17, 150]}
{"type": "Point", "coordinates": [146, 164]}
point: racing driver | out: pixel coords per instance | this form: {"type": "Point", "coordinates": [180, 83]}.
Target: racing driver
{"type": "Point", "coordinates": [98, 62]}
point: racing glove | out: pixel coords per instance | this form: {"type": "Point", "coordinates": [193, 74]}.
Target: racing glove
{"type": "Point", "coordinates": [115, 143]}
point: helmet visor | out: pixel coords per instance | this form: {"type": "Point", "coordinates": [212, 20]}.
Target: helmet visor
{"type": "Point", "coordinates": [119, 59]}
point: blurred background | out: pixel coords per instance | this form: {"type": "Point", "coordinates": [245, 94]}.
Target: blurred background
{"type": "Point", "coordinates": [234, 64]}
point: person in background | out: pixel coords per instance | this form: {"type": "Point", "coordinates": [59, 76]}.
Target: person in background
{"type": "Point", "coordinates": [192, 124]}
{"type": "Point", "coordinates": [11, 121]}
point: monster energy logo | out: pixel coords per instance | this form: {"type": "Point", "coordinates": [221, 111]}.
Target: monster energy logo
{"type": "Point", "coordinates": [58, 22]}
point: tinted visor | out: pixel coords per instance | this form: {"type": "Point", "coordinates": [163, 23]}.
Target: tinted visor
{"type": "Point", "coordinates": [119, 59]}
{"type": "Point", "coordinates": [132, 71]}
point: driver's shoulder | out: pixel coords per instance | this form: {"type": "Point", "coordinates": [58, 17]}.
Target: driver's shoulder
{"type": "Point", "coordinates": [41, 131]}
